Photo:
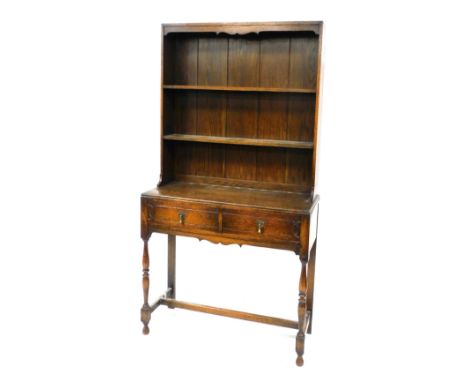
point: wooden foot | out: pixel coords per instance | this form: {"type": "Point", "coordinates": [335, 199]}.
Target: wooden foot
{"type": "Point", "coordinates": [300, 359]}
{"type": "Point", "coordinates": [145, 318]}
{"type": "Point", "coordinates": [145, 309]}
{"type": "Point", "coordinates": [301, 310]}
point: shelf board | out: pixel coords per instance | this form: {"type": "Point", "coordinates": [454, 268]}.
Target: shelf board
{"type": "Point", "coordinates": [239, 141]}
{"type": "Point", "coordinates": [239, 89]}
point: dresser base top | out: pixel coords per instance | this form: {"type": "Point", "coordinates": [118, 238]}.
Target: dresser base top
{"type": "Point", "coordinates": [284, 201]}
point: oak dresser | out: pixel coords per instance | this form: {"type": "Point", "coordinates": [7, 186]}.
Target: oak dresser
{"type": "Point", "coordinates": [239, 122]}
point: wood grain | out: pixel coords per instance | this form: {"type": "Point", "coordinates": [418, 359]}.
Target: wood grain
{"type": "Point", "coordinates": [244, 28]}
{"type": "Point", "coordinates": [229, 182]}
{"type": "Point", "coordinates": [257, 89]}
{"type": "Point", "coordinates": [239, 141]}
{"type": "Point", "coordinates": [301, 110]}
{"type": "Point", "coordinates": [303, 63]}
{"type": "Point", "coordinates": [243, 63]}
{"type": "Point", "coordinates": [230, 313]}
{"type": "Point", "coordinates": [171, 266]}
{"type": "Point", "coordinates": [275, 226]}
{"type": "Point", "coordinates": [184, 63]}
{"type": "Point", "coordinates": [284, 201]}
{"type": "Point", "coordinates": [145, 312]}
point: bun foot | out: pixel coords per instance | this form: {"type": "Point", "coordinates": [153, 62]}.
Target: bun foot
{"type": "Point", "coordinates": [146, 330]}
{"type": "Point", "coordinates": [299, 361]}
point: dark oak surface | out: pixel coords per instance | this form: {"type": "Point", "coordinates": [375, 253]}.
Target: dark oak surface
{"type": "Point", "coordinates": [239, 134]}
{"type": "Point", "coordinates": [239, 89]}
{"type": "Point", "coordinates": [239, 141]}
{"type": "Point", "coordinates": [244, 28]}
{"type": "Point", "coordinates": [234, 196]}
{"type": "Point", "coordinates": [230, 313]}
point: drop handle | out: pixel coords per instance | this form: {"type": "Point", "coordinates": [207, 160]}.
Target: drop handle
{"type": "Point", "coordinates": [181, 217]}
{"type": "Point", "coordinates": [260, 226]}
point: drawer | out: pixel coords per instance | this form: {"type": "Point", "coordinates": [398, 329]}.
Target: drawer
{"type": "Point", "coordinates": [182, 216]}
{"type": "Point", "coordinates": [262, 225]}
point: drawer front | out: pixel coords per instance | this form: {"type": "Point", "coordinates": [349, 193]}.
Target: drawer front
{"type": "Point", "coordinates": [228, 225]}
{"type": "Point", "coordinates": [182, 216]}
{"type": "Point", "coordinates": [262, 225]}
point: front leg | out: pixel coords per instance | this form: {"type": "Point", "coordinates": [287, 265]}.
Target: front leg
{"type": "Point", "coordinates": [301, 310]}
{"type": "Point", "coordinates": [171, 266]}
{"type": "Point", "coordinates": [145, 309]}
{"type": "Point", "coordinates": [311, 271]}
{"type": "Point", "coordinates": [310, 285]}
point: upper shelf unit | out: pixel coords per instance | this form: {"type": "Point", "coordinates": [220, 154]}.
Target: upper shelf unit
{"type": "Point", "coordinates": [239, 104]}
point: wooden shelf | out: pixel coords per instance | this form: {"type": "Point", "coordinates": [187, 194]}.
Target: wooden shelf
{"type": "Point", "coordinates": [239, 89]}
{"type": "Point", "coordinates": [239, 141]}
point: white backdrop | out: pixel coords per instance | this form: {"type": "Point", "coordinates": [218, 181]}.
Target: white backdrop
{"type": "Point", "coordinates": [79, 141]}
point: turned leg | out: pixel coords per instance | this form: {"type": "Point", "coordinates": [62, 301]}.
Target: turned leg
{"type": "Point", "coordinates": [301, 310]}
{"type": "Point", "coordinates": [311, 277]}
{"type": "Point", "coordinates": [171, 266]}
{"type": "Point", "coordinates": [145, 309]}
{"type": "Point", "coordinates": [310, 284]}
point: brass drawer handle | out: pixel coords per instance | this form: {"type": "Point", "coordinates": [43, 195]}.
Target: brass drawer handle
{"type": "Point", "coordinates": [181, 217]}
{"type": "Point", "coordinates": [260, 226]}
